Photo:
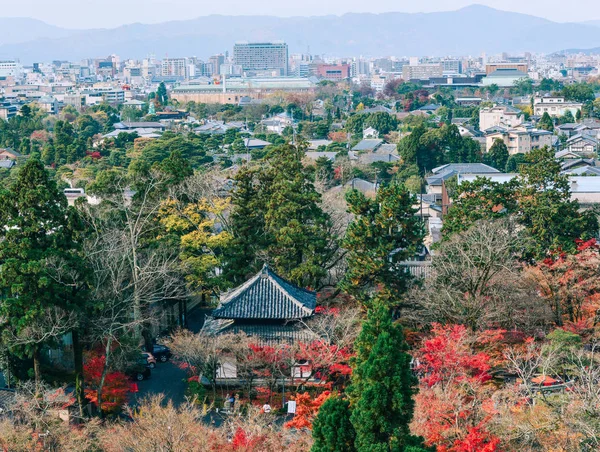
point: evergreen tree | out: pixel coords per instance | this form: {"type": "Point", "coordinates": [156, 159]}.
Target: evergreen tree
{"type": "Point", "coordinates": [332, 430]}
{"type": "Point", "coordinates": [497, 157]}
{"type": "Point", "coordinates": [383, 385]}
{"type": "Point", "coordinates": [546, 122]}
{"type": "Point", "coordinates": [551, 218]}
{"type": "Point", "coordinates": [161, 94]}
{"type": "Point", "coordinates": [385, 231]}
{"type": "Point", "coordinates": [246, 226]}
{"type": "Point", "coordinates": [299, 228]}
{"type": "Point", "coordinates": [277, 217]}
{"type": "Point", "coordinates": [40, 258]}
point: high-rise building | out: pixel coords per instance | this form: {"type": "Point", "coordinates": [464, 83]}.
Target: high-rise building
{"type": "Point", "coordinates": [422, 71]}
{"type": "Point", "coordinates": [262, 57]}
{"type": "Point", "coordinates": [174, 67]}
{"type": "Point", "coordinates": [216, 61]}
{"type": "Point", "coordinates": [452, 67]}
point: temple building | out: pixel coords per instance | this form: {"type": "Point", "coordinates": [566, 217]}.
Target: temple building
{"type": "Point", "coordinates": [267, 307]}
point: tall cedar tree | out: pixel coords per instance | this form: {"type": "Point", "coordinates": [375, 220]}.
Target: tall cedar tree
{"type": "Point", "coordinates": [247, 226]}
{"type": "Point", "coordinates": [39, 254]}
{"type": "Point", "coordinates": [277, 217]}
{"type": "Point", "coordinates": [332, 430]}
{"type": "Point", "coordinates": [382, 385]}
{"type": "Point", "coordinates": [384, 232]}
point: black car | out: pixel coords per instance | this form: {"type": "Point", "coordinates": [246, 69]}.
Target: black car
{"type": "Point", "coordinates": [141, 371]}
{"type": "Point", "coordinates": [161, 353]}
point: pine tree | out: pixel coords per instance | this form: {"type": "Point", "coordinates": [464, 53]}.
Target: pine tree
{"type": "Point", "coordinates": [498, 155]}
{"type": "Point", "coordinates": [246, 225]}
{"type": "Point", "coordinates": [161, 94]}
{"type": "Point", "coordinates": [546, 122]}
{"type": "Point", "coordinates": [277, 217]}
{"type": "Point", "coordinates": [383, 385]}
{"type": "Point", "coordinates": [385, 231]}
{"type": "Point", "coordinates": [40, 257]}
{"type": "Point", "coordinates": [332, 430]}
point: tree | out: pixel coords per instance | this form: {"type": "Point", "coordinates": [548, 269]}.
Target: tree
{"type": "Point", "coordinates": [477, 282]}
{"type": "Point", "coordinates": [277, 217]}
{"type": "Point", "coordinates": [579, 92]}
{"type": "Point", "coordinates": [332, 430]}
{"type": "Point", "coordinates": [514, 162]}
{"type": "Point", "coordinates": [546, 122]}
{"type": "Point", "coordinates": [454, 397]}
{"type": "Point", "coordinates": [545, 208]}
{"type": "Point", "coordinates": [383, 122]}
{"type": "Point", "coordinates": [40, 256]}
{"type": "Point", "coordinates": [383, 385]}
{"type": "Point", "coordinates": [497, 157]}
{"type": "Point", "coordinates": [385, 231]}
{"type": "Point", "coordinates": [161, 94]}
{"type": "Point", "coordinates": [477, 200]}
{"type": "Point", "coordinates": [567, 118]}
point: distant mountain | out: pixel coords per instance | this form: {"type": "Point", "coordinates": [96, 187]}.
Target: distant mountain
{"type": "Point", "coordinates": [21, 29]}
{"type": "Point", "coordinates": [470, 30]}
{"type": "Point", "coordinates": [595, 23]}
{"type": "Point", "coordinates": [594, 51]}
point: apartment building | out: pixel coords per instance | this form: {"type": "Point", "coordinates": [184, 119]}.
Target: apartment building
{"type": "Point", "coordinates": [261, 57]}
{"type": "Point", "coordinates": [422, 71]}
{"type": "Point", "coordinates": [174, 67]}
{"type": "Point", "coordinates": [500, 115]}
{"type": "Point", "coordinates": [520, 140]}
{"type": "Point", "coordinates": [555, 106]}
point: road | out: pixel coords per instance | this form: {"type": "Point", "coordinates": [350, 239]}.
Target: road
{"type": "Point", "coordinates": [167, 379]}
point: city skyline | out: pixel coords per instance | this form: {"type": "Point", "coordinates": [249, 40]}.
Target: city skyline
{"type": "Point", "coordinates": [71, 14]}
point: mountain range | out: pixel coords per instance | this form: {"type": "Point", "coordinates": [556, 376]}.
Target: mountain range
{"type": "Point", "coordinates": [471, 30]}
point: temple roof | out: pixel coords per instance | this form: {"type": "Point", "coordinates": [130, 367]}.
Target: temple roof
{"type": "Point", "coordinates": [266, 296]}
{"type": "Point", "coordinates": [262, 334]}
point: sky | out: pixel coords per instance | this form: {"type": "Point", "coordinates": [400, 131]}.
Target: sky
{"type": "Point", "coordinates": [112, 13]}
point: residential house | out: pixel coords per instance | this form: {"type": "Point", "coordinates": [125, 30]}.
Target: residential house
{"type": "Point", "coordinates": [500, 115]}
{"type": "Point", "coordinates": [9, 154]}
{"type": "Point", "coordinates": [370, 132]}
{"type": "Point", "coordinates": [582, 145]}
{"type": "Point", "coordinates": [445, 172]}
{"type": "Point", "coordinates": [555, 106]}
{"type": "Point", "coordinates": [254, 143]}
{"type": "Point", "coordinates": [376, 109]}
{"type": "Point", "coordinates": [468, 131]}
{"type": "Point", "coordinates": [520, 140]}
{"type": "Point", "coordinates": [368, 145]}
{"type": "Point", "coordinates": [278, 123]}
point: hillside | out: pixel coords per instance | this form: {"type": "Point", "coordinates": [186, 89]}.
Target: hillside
{"type": "Point", "coordinates": [470, 30]}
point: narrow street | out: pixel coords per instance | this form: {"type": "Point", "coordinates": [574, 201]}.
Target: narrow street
{"type": "Point", "coordinates": [167, 378]}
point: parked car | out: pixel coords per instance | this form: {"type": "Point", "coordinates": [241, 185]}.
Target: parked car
{"type": "Point", "coordinates": [141, 371]}
{"type": "Point", "coordinates": [161, 353]}
{"type": "Point", "coordinates": [150, 359]}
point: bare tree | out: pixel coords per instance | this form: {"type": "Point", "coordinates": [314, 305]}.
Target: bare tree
{"type": "Point", "coordinates": [477, 281]}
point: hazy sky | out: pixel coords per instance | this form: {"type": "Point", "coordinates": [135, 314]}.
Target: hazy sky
{"type": "Point", "coordinates": [111, 13]}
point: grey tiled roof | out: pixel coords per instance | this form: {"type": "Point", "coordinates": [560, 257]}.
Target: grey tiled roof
{"type": "Point", "coordinates": [267, 297]}
{"type": "Point", "coordinates": [264, 333]}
